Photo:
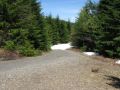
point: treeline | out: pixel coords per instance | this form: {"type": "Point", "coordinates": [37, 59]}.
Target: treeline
{"type": "Point", "coordinates": [24, 28]}
{"type": "Point", "coordinates": [59, 30]}
{"type": "Point", "coordinates": [98, 28]}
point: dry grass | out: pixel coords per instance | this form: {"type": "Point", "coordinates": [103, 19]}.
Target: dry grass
{"type": "Point", "coordinates": [106, 60]}
{"type": "Point", "coordinates": [100, 58]}
{"type": "Point", "coordinates": [8, 55]}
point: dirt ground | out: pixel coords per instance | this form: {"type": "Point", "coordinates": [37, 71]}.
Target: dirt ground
{"type": "Point", "coordinates": [60, 70]}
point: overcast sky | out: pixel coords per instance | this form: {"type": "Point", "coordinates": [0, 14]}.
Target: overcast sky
{"type": "Point", "coordinates": [66, 9]}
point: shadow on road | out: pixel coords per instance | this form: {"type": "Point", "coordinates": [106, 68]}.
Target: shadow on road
{"type": "Point", "coordinates": [114, 81]}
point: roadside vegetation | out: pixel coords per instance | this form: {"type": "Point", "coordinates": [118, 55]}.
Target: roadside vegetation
{"type": "Point", "coordinates": [25, 29]}
{"type": "Point", "coordinates": [97, 28]}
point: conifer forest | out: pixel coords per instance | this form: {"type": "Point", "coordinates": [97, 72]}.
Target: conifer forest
{"type": "Point", "coordinates": [24, 28]}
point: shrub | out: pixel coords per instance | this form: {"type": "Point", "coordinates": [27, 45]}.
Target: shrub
{"type": "Point", "coordinates": [26, 51]}
{"type": "Point", "coordinates": [84, 48]}
{"type": "Point", "coordinates": [109, 53]}
{"type": "Point", "coordinates": [9, 45]}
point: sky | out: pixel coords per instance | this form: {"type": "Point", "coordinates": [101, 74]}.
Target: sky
{"type": "Point", "coordinates": [66, 9]}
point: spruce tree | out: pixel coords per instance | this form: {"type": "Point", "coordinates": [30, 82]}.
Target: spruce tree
{"type": "Point", "coordinates": [50, 26]}
{"type": "Point", "coordinates": [44, 39]}
{"type": "Point", "coordinates": [109, 16]}
{"type": "Point", "coordinates": [57, 28]}
{"type": "Point", "coordinates": [69, 27]}
{"type": "Point", "coordinates": [22, 23]}
{"type": "Point", "coordinates": [83, 34]}
{"type": "Point", "coordinates": [63, 32]}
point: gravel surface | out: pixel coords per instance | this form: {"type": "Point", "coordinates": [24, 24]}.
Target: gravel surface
{"type": "Point", "coordinates": [59, 70]}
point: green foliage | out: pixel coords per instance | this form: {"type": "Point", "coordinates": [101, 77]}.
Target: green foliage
{"type": "Point", "coordinates": [27, 51]}
{"type": "Point", "coordinates": [59, 30]}
{"type": "Point", "coordinates": [24, 28]}
{"type": "Point", "coordinates": [45, 41]}
{"type": "Point", "coordinates": [83, 36]}
{"type": "Point", "coordinates": [63, 32]}
{"type": "Point", "coordinates": [109, 16]}
{"type": "Point", "coordinates": [9, 45]}
{"type": "Point", "coordinates": [118, 51]}
{"type": "Point", "coordinates": [98, 28]}
{"type": "Point", "coordinates": [21, 23]}
{"type": "Point", "coordinates": [109, 53]}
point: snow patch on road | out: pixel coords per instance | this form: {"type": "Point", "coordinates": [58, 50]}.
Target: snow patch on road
{"type": "Point", "coordinates": [90, 53]}
{"type": "Point", "coordinates": [61, 46]}
{"type": "Point", "coordinates": [117, 62]}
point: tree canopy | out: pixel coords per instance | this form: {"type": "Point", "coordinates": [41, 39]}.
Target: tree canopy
{"type": "Point", "coordinates": [97, 28]}
{"type": "Point", "coordinates": [24, 28]}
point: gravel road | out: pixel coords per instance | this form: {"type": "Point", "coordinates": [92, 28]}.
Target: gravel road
{"type": "Point", "coordinates": [59, 70]}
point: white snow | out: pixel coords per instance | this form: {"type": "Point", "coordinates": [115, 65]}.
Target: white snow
{"type": "Point", "coordinates": [117, 62]}
{"type": "Point", "coordinates": [90, 53]}
{"type": "Point", "coordinates": [61, 46]}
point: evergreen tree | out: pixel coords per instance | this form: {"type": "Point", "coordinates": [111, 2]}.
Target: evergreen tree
{"type": "Point", "coordinates": [69, 27]}
{"type": "Point", "coordinates": [24, 28]}
{"type": "Point", "coordinates": [22, 23]}
{"type": "Point", "coordinates": [38, 33]}
{"type": "Point", "coordinates": [44, 39]}
{"type": "Point", "coordinates": [109, 17]}
{"type": "Point", "coordinates": [83, 34]}
{"type": "Point", "coordinates": [51, 27]}
{"type": "Point", "coordinates": [63, 32]}
{"type": "Point", "coordinates": [57, 29]}
{"type": "Point", "coordinates": [98, 28]}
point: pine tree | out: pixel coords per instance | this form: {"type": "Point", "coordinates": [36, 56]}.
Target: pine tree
{"type": "Point", "coordinates": [23, 25]}
{"type": "Point", "coordinates": [109, 16]}
{"type": "Point", "coordinates": [69, 26]}
{"type": "Point", "coordinates": [4, 21]}
{"type": "Point", "coordinates": [50, 26]}
{"type": "Point", "coordinates": [44, 40]}
{"type": "Point", "coordinates": [63, 32]}
{"type": "Point", "coordinates": [83, 34]}
{"type": "Point", "coordinates": [57, 29]}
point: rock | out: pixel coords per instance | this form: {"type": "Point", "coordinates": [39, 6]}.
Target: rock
{"type": "Point", "coordinates": [95, 70]}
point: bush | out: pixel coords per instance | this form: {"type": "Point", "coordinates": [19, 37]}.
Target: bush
{"type": "Point", "coordinates": [109, 53]}
{"type": "Point", "coordinates": [118, 52]}
{"type": "Point", "coordinates": [26, 51]}
{"type": "Point", "coordinates": [9, 45]}
{"type": "Point", "coordinates": [84, 48]}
